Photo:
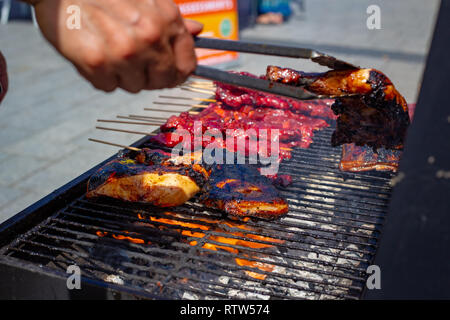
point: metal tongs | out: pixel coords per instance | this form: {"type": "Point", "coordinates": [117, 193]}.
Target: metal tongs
{"type": "Point", "coordinates": [297, 92]}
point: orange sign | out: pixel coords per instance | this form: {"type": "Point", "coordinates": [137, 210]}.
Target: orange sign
{"type": "Point", "coordinates": [220, 20]}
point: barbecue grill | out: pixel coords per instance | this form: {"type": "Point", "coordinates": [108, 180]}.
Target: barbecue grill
{"type": "Point", "coordinates": [320, 250]}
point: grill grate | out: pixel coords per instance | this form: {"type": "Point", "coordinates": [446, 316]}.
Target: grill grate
{"type": "Point", "coordinates": [320, 250]}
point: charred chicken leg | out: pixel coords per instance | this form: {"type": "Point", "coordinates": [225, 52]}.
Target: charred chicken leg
{"type": "Point", "coordinates": [377, 116]}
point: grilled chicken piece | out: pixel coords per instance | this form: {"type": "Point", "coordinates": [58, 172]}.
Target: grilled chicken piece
{"type": "Point", "coordinates": [377, 116]}
{"type": "Point", "coordinates": [151, 177]}
{"type": "Point", "coordinates": [154, 177]}
{"type": "Point", "coordinates": [241, 190]}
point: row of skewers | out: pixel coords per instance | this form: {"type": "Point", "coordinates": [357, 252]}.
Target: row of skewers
{"type": "Point", "coordinates": [201, 86]}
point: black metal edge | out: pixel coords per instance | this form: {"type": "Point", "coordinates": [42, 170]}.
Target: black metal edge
{"type": "Point", "coordinates": [32, 282]}
{"type": "Point", "coordinates": [38, 211]}
{"type": "Point", "coordinates": [413, 246]}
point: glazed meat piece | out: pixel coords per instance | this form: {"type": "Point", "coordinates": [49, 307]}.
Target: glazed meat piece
{"type": "Point", "coordinates": [282, 180]}
{"type": "Point", "coordinates": [237, 97]}
{"type": "Point", "coordinates": [377, 116]}
{"type": "Point", "coordinates": [294, 129]}
{"type": "Point", "coordinates": [156, 178]}
{"type": "Point", "coordinates": [240, 190]}
{"type": "Point", "coordinates": [358, 159]}
{"type": "Point", "coordinates": [130, 181]}
{"type": "Point", "coordinates": [149, 177]}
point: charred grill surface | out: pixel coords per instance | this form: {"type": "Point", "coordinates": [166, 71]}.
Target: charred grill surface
{"type": "Point", "coordinates": [376, 117]}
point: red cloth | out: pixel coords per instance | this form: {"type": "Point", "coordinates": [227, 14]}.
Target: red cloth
{"type": "Point", "coordinates": [3, 77]}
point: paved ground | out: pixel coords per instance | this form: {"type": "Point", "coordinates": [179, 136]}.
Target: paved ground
{"type": "Point", "coordinates": [50, 112]}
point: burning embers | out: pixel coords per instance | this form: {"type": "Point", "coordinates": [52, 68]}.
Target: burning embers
{"type": "Point", "coordinates": [234, 237]}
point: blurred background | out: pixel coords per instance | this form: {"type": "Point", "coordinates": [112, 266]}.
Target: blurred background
{"type": "Point", "coordinates": [50, 111]}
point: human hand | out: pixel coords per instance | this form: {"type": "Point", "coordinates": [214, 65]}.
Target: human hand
{"type": "Point", "coordinates": [130, 44]}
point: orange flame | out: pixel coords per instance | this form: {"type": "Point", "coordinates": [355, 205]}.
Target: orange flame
{"type": "Point", "coordinates": [223, 241]}
{"type": "Point", "coordinates": [121, 237]}
{"type": "Point", "coordinates": [226, 240]}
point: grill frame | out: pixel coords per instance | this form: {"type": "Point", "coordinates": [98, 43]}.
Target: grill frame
{"type": "Point", "coordinates": [25, 222]}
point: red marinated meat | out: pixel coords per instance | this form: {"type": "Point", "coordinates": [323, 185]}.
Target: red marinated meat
{"type": "Point", "coordinates": [295, 130]}
{"type": "Point", "coordinates": [236, 97]}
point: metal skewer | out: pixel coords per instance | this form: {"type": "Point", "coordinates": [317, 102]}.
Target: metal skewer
{"type": "Point", "coordinates": [130, 122]}
{"type": "Point", "coordinates": [114, 144]}
{"type": "Point", "coordinates": [170, 111]}
{"type": "Point", "coordinates": [127, 131]}
{"type": "Point", "coordinates": [188, 98]}
{"type": "Point", "coordinates": [181, 104]}
{"type": "Point", "coordinates": [210, 92]}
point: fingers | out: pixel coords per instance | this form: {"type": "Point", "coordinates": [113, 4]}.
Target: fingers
{"type": "Point", "coordinates": [193, 27]}
{"type": "Point", "coordinates": [104, 81]}
{"type": "Point", "coordinates": [125, 11]}
{"type": "Point", "coordinates": [185, 58]}
{"type": "Point", "coordinates": [131, 44]}
{"type": "Point", "coordinates": [132, 77]}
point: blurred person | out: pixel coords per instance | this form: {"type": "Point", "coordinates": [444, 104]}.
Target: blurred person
{"type": "Point", "coordinates": [273, 11]}
{"type": "Point", "coordinates": [130, 44]}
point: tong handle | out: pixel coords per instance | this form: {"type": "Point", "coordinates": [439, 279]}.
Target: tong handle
{"type": "Point", "coordinates": [274, 50]}
{"type": "Point", "coordinates": [255, 47]}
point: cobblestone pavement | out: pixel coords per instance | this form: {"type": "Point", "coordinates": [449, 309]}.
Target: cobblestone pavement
{"type": "Point", "coordinates": [50, 111]}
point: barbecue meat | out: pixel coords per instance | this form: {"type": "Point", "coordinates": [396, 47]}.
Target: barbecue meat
{"type": "Point", "coordinates": [129, 181]}
{"type": "Point", "coordinates": [237, 97]}
{"type": "Point", "coordinates": [150, 177]}
{"type": "Point", "coordinates": [377, 116]}
{"type": "Point", "coordinates": [241, 190]}
{"type": "Point", "coordinates": [156, 178]}
{"type": "Point", "coordinates": [357, 159]}
{"type": "Point", "coordinates": [294, 129]}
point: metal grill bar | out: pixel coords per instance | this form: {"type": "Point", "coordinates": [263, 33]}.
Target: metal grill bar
{"type": "Point", "coordinates": [148, 257]}
{"type": "Point", "coordinates": [84, 235]}
{"type": "Point", "coordinates": [276, 236]}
